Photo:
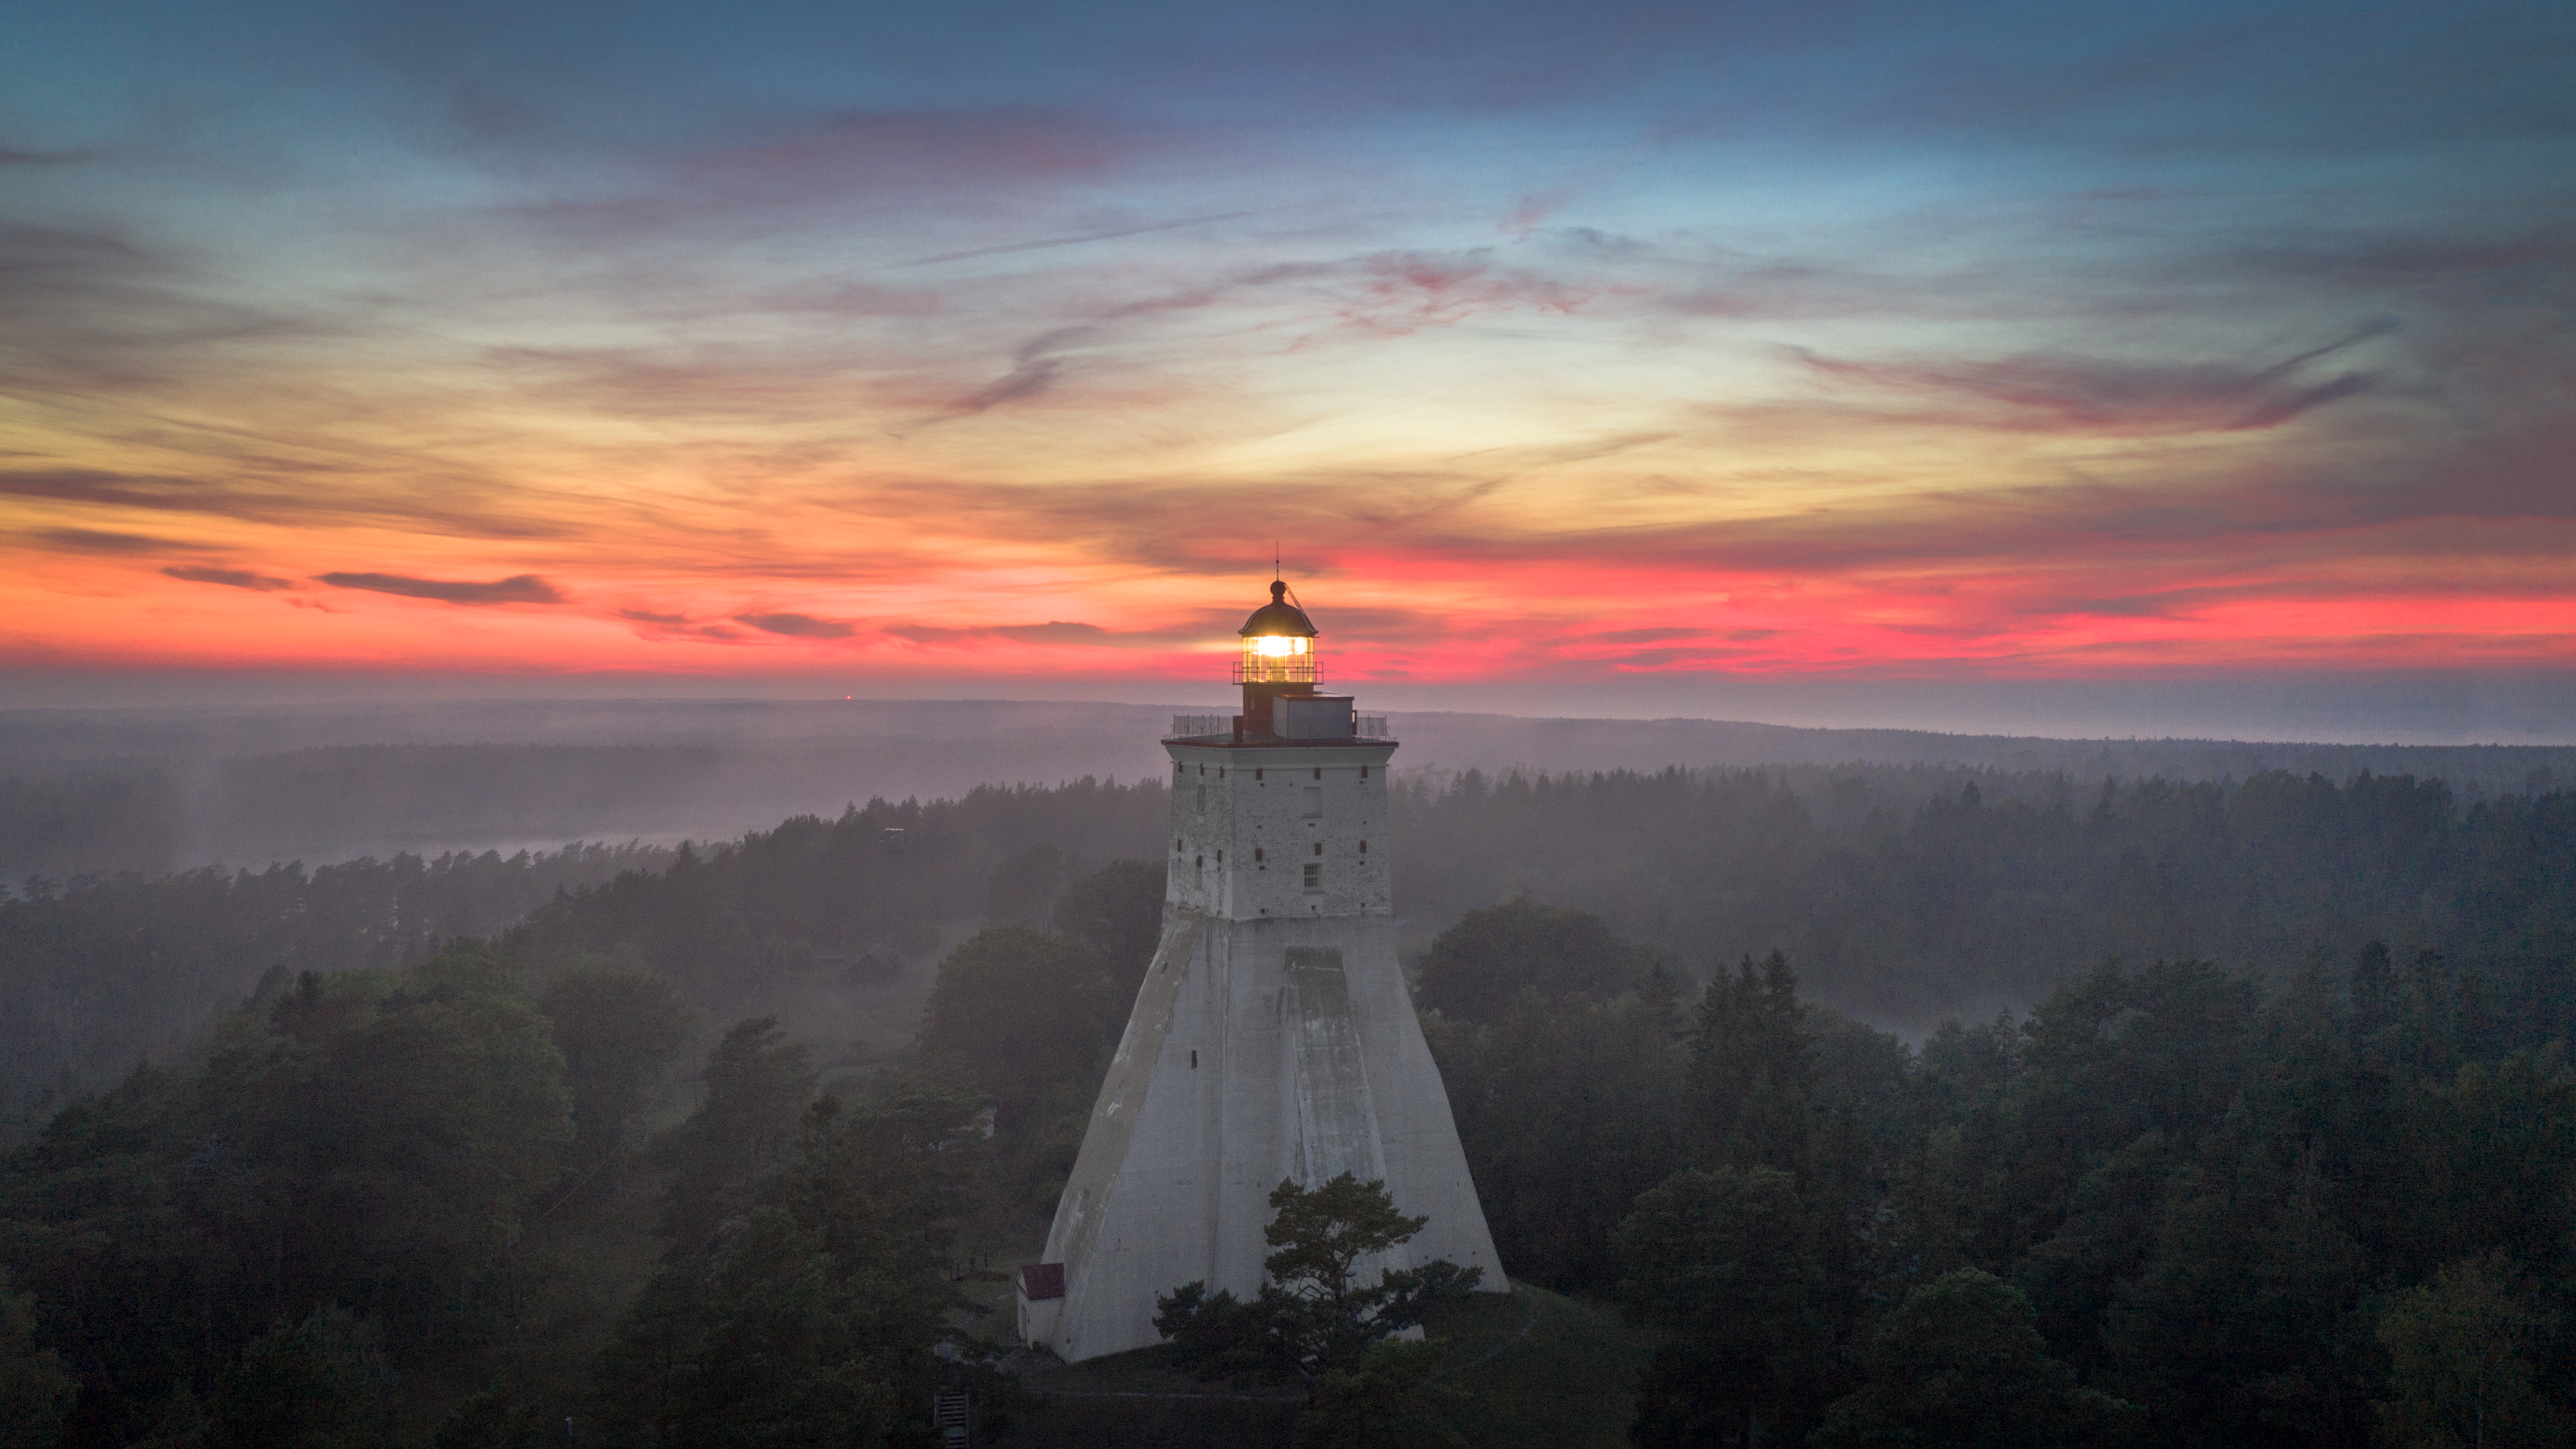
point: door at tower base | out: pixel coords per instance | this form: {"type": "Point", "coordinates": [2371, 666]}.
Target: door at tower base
{"type": "Point", "coordinates": [1259, 1050]}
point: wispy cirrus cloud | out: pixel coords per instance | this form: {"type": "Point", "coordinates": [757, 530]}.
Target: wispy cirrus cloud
{"type": "Point", "coordinates": [107, 541]}
{"type": "Point", "coordinates": [1052, 632]}
{"type": "Point", "coordinates": [2099, 395]}
{"type": "Point", "coordinates": [17, 156]}
{"type": "Point", "coordinates": [517, 589]}
{"type": "Point", "coordinates": [798, 626]}
{"type": "Point", "coordinates": [230, 578]}
{"type": "Point", "coordinates": [118, 490]}
{"type": "Point", "coordinates": [1033, 370]}
{"type": "Point", "coordinates": [1003, 249]}
{"type": "Point", "coordinates": [656, 625]}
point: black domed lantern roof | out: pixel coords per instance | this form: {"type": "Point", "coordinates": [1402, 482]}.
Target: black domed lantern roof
{"type": "Point", "coordinates": [1278, 618]}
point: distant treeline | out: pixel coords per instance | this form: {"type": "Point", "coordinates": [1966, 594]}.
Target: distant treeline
{"type": "Point", "coordinates": [108, 791]}
{"type": "Point", "coordinates": [93, 821]}
{"type": "Point", "coordinates": [334, 801]}
{"type": "Point", "coordinates": [101, 972]}
{"type": "Point", "coordinates": [98, 972]}
{"type": "Point", "coordinates": [1907, 896]}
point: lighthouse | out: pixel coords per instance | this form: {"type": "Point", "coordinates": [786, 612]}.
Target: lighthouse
{"type": "Point", "coordinates": [1273, 1037]}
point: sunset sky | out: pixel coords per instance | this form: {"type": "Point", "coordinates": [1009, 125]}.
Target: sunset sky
{"type": "Point", "coordinates": [981, 348]}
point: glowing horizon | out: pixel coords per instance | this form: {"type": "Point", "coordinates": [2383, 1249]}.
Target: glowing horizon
{"type": "Point", "coordinates": [900, 348]}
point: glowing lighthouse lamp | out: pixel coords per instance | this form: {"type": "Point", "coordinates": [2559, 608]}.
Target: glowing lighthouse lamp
{"type": "Point", "coordinates": [1278, 675]}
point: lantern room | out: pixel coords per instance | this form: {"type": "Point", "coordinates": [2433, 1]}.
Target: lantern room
{"type": "Point", "coordinates": [1279, 675]}
{"type": "Point", "coordinates": [1278, 643]}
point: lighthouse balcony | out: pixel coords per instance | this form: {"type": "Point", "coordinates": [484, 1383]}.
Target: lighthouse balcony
{"type": "Point", "coordinates": [1314, 720]}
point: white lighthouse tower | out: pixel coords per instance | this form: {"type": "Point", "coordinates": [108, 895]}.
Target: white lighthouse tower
{"type": "Point", "coordinates": [1273, 1037]}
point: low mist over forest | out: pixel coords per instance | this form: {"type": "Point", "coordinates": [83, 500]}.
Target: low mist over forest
{"type": "Point", "coordinates": [1907, 894]}
{"type": "Point", "coordinates": [103, 791]}
{"type": "Point", "coordinates": [2215, 1104]}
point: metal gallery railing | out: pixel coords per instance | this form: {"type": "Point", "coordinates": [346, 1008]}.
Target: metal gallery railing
{"type": "Point", "coordinates": [1287, 669]}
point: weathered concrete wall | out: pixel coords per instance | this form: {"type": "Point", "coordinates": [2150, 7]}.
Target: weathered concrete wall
{"type": "Point", "coordinates": [1273, 1038]}
{"type": "Point", "coordinates": [1247, 822]}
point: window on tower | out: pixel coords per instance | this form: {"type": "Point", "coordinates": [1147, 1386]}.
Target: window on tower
{"type": "Point", "coordinates": [1314, 880]}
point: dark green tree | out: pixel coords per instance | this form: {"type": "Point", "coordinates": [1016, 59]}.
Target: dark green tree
{"type": "Point", "coordinates": [814, 1317]}
{"type": "Point", "coordinates": [2459, 1366]}
{"type": "Point", "coordinates": [1021, 888]}
{"type": "Point", "coordinates": [618, 1032]}
{"type": "Point", "coordinates": [1314, 1316]}
{"type": "Point", "coordinates": [1029, 1014]}
{"type": "Point", "coordinates": [36, 1392]}
{"type": "Point", "coordinates": [1119, 910]}
{"type": "Point", "coordinates": [1959, 1365]}
{"type": "Point", "coordinates": [2240, 1325]}
{"type": "Point", "coordinates": [1480, 965]}
{"type": "Point", "coordinates": [183, 1421]}
{"type": "Point", "coordinates": [494, 1419]}
{"type": "Point", "coordinates": [1753, 1070]}
{"type": "Point", "coordinates": [317, 1384]}
{"type": "Point", "coordinates": [1724, 1265]}
{"type": "Point", "coordinates": [757, 1084]}
{"type": "Point", "coordinates": [1391, 1397]}
{"type": "Point", "coordinates": [1567, 1112]}
{"type": "Point", "coordinates": [2489, 1165]}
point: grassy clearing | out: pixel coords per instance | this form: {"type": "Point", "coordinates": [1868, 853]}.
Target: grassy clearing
{"type": "Point", "coordinates": [1568, 1382]}
{"type": "Point", "coordinates": [1544, 1371]}
{"type": "Point", "coordinates": [1140, 1401]}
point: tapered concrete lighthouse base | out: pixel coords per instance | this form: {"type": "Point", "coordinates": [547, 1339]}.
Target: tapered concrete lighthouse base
{"type": "Point", "coordinates": [1277, 1047]}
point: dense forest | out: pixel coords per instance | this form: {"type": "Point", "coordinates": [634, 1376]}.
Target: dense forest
{"type": "Point", "coordinates": [550, 1183]}
{"type": "Point", "coordinates": [1907, 896]}
{"type": "Point", "coordinates": [2168, 1207]}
